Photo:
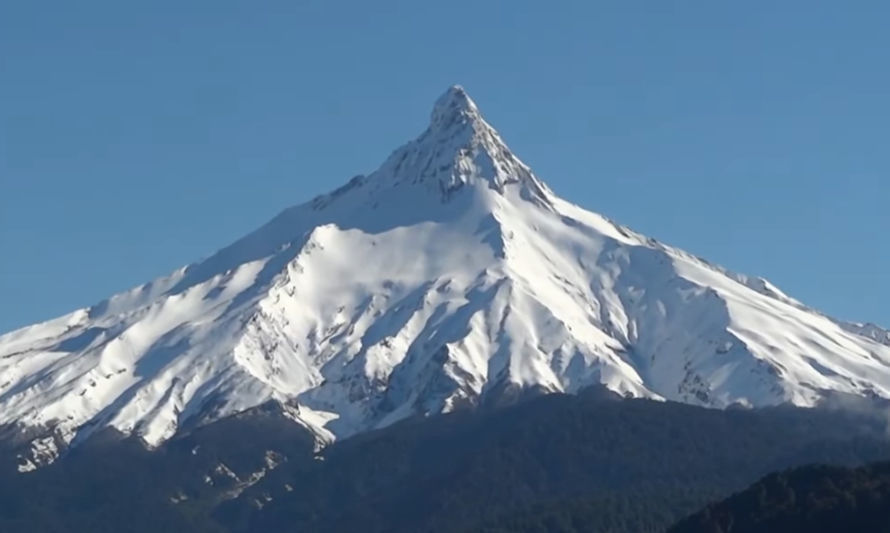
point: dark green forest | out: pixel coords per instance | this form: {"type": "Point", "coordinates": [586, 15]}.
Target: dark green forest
{"type": "Point", "coordinates": [811, 499]}
{"type": "Point", "coordinates": [588, 463]}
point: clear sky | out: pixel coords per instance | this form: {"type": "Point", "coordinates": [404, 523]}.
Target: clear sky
{"type": "Point", "coordinates": [136, 137]}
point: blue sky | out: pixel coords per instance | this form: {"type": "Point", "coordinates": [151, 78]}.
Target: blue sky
{"type": "Point", "coordinates": [137, 138]}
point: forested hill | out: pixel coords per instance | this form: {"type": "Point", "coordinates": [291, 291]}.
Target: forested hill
{"type": "Point", "coordinates": [811, 499]}
{"type": "Point", "coordinates": [557, 463]}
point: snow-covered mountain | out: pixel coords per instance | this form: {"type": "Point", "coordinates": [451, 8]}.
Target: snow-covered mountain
{"type": "Point", "coordinates": [450, 276]}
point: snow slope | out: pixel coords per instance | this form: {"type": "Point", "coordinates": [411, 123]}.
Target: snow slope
{"type": "Point", "coordinates": [448, 277]}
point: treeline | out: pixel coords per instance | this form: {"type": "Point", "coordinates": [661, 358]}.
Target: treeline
{"type": "Point", "coordinates": [588, 463]}
{"type": "Point", "coordinates": [556, 463]}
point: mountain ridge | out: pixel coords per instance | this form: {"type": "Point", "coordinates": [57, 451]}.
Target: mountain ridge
{"type": "Point", "coordinates": [449, 276]}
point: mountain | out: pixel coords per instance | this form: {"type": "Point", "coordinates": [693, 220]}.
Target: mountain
{"type": "Point", "coordinates": [450, 277]}
{"type": "Point", "coordinates": [811, 499]}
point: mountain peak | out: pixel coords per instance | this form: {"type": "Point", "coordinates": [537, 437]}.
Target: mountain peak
{"type": "Point", "coordinates": [460, 148]}
{"type": "Point", "coordinates": [453, 105]}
